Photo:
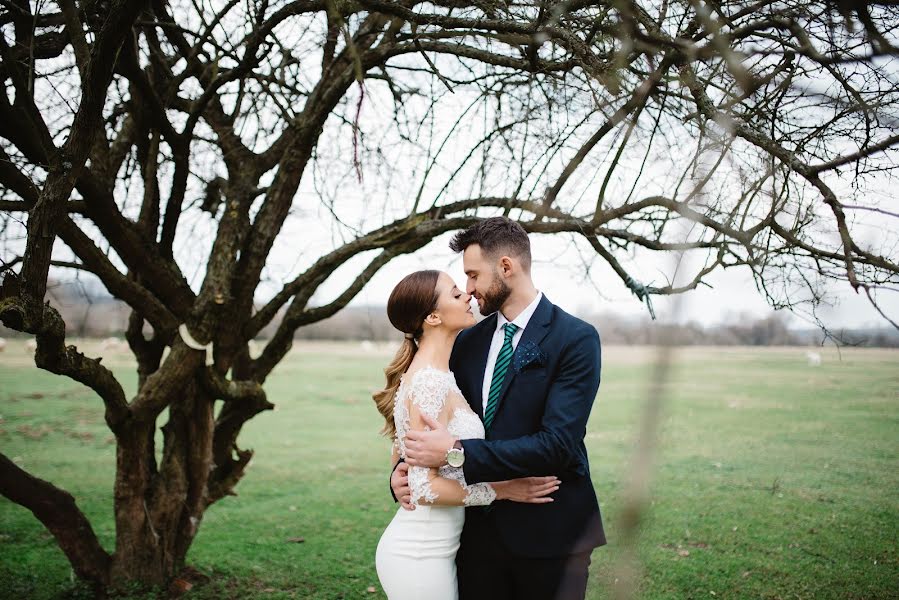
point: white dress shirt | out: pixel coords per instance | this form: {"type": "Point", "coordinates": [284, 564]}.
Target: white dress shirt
{"type": "Point", "coordinates": [497, 343]}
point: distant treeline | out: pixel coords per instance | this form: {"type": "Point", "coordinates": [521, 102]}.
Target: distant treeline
{"type": "Point", "coordinates": [89, 312]}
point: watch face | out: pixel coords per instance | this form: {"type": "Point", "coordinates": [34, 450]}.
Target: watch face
{"type": "Point", "coordinates": [455, 457]}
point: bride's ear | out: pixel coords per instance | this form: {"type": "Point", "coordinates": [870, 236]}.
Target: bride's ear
{"type": "Point", "coordinates": [433, 319]}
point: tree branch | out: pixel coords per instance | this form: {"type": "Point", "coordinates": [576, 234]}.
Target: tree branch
{"type": "Point", "coordinates": [56, 509]}
{"type": "Point", "coordinates": [243, 401]}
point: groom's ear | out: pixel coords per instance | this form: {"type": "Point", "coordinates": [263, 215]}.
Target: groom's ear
{"type": "Point", "coordinates": [506, 265]}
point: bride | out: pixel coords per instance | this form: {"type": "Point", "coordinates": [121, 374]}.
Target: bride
{"type": "Point", "coordinates": [416, 554]}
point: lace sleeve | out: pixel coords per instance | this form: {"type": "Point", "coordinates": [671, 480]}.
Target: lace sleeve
{"type": "Point", "coordinates": [427, 392]}
{"type": "Point", "coordinates": [420, 486]}
{"type": "Point", "coordinates": [479, 494]}
{"type": "Point", "coordinates": [426, 395]}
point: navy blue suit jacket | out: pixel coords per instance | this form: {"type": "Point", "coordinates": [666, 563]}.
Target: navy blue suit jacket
{"type": "Point", "coordinates": [538, 429]}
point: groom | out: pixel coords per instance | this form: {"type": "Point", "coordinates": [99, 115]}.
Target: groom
{"type": "Point", "coordinates": [531, 372]}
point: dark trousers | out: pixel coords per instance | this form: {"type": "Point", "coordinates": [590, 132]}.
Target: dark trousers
{"type": "Point", "coordinates": [486, 570]}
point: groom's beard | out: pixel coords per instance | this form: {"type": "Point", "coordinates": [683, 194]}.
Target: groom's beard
{"type": "Point", "coordinates": [495, 296]}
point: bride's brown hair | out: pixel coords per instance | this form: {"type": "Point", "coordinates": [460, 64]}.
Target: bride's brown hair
{"type": "Point", "coordinates": [410, 302]}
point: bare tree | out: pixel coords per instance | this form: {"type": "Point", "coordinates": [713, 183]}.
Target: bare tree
{"type": "Point", "coordinates": [147, 135]}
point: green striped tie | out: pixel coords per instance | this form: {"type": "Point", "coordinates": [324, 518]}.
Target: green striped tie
{"type": "Point", "coordinates": [499, 374]}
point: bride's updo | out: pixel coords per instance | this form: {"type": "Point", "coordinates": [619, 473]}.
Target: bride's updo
{"type": "Point", "coordinates": [410, 302]}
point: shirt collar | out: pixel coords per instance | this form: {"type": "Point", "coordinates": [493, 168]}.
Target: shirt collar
{"type": "Point", "coordinates": [522, 319]}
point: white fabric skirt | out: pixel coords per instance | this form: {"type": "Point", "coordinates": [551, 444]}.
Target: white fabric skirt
{"type": "Point", "coordinates": [416, 557]}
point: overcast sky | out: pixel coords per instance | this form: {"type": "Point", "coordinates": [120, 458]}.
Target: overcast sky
{"type": "Point", "coordinates": [560, 270]}
{"type": "Point", "coordinates": [561, 264]}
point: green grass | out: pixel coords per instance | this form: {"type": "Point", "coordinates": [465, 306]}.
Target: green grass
{"type": "Point", "coordinates": [773, 479]}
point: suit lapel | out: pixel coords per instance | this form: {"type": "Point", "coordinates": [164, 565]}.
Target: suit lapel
{"type": "Point", "coordinates": [535, 331]}
{"type": "Point", "coordinates": [479, 361]}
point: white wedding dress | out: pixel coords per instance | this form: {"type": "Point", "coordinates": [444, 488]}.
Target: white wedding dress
{"type": "Point", "coordinates": [415, 558]}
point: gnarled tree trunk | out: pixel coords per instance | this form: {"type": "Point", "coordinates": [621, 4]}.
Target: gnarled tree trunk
{"type": "Point", "coordinates": [158, 508]}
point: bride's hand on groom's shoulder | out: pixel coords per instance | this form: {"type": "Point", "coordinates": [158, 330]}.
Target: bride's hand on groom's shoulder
{"type": "Point", "coordinates": [428, 448]}
{"type": "Point", "coordinates": [530, 490]}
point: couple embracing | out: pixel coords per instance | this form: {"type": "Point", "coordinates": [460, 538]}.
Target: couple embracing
{"type": "Point", "coordinates": [488, 422]}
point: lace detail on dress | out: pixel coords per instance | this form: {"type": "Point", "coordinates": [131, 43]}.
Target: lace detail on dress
{"type": "Point", "coordinates": [479, 494]}
{"type": "Point", "coordinates": [428, 389]}
{"type": "Point", "coordinates": [465, 425]}
{"type": "Point", "coordinates": [420, 485]}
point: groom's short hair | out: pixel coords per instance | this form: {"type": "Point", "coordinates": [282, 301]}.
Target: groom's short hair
{"type": "Point", "coordinates": [496, 236]}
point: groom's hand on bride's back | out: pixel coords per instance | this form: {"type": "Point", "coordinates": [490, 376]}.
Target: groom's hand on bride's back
{"type": "Point", "coordinates": [399, 483]}
{"type": "Point", "coordinates": [428, 448]}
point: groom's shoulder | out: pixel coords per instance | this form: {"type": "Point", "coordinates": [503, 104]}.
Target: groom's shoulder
{"type": "Point", "coordinates": [571, 325]}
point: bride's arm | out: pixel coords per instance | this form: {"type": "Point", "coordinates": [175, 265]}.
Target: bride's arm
{"type": "Point", "coordinates": [426, 485]}
{"type": "Point", "coordinates": [427, 398]}
{"type": "Point", "coordinates": [450, 492]}
{"type": "Point", "coordinates": [429, 488]}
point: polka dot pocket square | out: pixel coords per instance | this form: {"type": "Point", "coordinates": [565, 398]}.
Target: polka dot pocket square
{"type": "Point", "coordinates": [528, 356]}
